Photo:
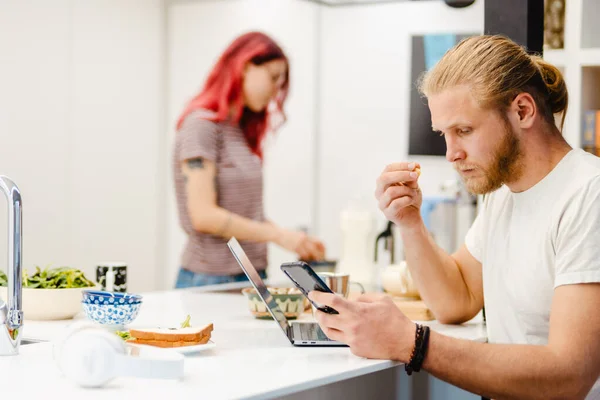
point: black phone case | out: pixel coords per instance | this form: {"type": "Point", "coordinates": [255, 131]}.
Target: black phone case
{"type": "Point", "coordinates": [291, 269]}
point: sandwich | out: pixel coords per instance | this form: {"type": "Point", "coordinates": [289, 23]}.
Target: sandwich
{"type": "Point", "coordinates": [171, 337]}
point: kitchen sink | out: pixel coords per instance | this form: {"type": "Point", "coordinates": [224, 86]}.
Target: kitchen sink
{"type": "Point", "coordinates": [30, 341]}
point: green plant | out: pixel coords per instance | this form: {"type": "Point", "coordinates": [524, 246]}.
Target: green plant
{"type": "Point", "coordinates": [52, 278]}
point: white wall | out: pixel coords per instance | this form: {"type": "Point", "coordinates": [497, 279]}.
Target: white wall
{"type": "Point", "coordinates": [80, 128]}
{"type": "Point", "coordinates": [116, 131]}
{"type": "Point", "coordinates": [34, 125]}
{"type": "Point", "coordinates": [89, 95]}
{"type": "Point", "coordinates": [364, 100]}
{"type": "Point", "coordinates": [198, 32]}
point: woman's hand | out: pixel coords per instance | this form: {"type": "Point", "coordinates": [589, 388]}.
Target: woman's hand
{"type": "Point", "coordinates": [399, 195]}
{"type": "Point", "coordinates": [307, 247]}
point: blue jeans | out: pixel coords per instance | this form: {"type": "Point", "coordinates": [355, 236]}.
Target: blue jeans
{"type": "Point", "coordinates": [186, 279]}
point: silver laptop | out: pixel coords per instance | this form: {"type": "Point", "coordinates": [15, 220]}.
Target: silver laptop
{"type": "Point", "coordinates": [298, 333]}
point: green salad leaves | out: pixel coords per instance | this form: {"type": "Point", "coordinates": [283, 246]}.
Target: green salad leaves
{"type": "Point", "coordinates": [186, 322]}
{"type": "Point", "coordinates": [125, 335]}
{"type": "Point", "coordinates": [52, 278]}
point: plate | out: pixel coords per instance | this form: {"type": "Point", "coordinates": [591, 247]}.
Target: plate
{"type": "Point", "coordinates": [194, 349]}
{"type": "Point", "coordinates": [183, 349]}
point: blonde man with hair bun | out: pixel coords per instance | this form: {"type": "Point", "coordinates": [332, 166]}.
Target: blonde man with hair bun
{"type": "Point", "coordinates": [532, 256]}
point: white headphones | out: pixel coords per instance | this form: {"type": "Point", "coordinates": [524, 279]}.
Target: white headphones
{"type": "Point", "coordinates": [91, 357]}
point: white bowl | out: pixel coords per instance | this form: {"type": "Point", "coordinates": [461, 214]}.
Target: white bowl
{"type": "Point", "coordinates": [49, 304]}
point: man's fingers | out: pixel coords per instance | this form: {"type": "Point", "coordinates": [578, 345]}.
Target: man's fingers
{"type": "Point", "coordinates": [398, 204]}
{"type": "Point", "coordinates": [330, 321]}
{"type": "Point", "coordinates": [332, 300]}
{"type": "Point", "coordinates": [405, 165]}
{"type": "Point", "coordinates": [395, 192]}
{"type": "Point", "coordinates": [391, 178]}
{"type": "Point", "coordinates": [371, 297]}
{"type": "Point", "coordinates": [397, 177]}
{"type": "Point", "coordinates": [320, 297]}
{"type": "Point", "coordinates": [333, 334]}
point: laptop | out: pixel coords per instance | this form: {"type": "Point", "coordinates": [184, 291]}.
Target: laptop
{"type": "Point", "coordinates": [298, 333]}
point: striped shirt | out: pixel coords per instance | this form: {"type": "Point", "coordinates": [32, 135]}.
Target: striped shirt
{"type": "Point", "coordinates": [239, 187]}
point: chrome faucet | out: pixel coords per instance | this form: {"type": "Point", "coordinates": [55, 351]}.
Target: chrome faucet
{"type": "Point", "coordinates": [11, 312]}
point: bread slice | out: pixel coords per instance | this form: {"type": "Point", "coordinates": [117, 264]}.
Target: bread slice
{"type": "Point", "coordinates": [192, 334]}
{"type": "Point", "coordinates": [170, 344]}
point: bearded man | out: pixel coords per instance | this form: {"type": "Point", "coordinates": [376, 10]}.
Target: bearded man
{"type": "Point", "coordinates": [532, 256]}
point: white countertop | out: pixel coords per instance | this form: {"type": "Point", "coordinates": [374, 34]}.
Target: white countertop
{"type": "Point", "coordinates": [252, 357]}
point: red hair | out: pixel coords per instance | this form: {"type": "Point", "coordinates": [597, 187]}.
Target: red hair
{"type": "Point", "coordinates": [223, 89]}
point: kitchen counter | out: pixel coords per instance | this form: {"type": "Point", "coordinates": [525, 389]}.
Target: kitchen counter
{"type": "Point", "coordinates": [252, 358]}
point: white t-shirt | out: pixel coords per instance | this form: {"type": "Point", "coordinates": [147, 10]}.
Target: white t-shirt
{"type": "Point", "coordinates": [531, 242]}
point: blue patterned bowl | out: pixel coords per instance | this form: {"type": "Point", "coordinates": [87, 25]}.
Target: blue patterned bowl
{"type": "Point", "coordinates": [112, 314]}
{"type": "Point", "coordinates": [102, 297]}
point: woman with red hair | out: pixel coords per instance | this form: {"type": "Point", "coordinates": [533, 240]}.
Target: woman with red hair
{"type": "Point", "coordinates": [217, 164]}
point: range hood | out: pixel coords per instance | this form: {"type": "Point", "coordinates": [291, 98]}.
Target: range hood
{"type": "Point", "coordinates": [335, 3]}
{"type": "Point", "coordinates": [338, 3]}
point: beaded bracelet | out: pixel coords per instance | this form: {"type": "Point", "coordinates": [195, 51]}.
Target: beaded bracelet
{"type": "Point", "coordinates": [419, 351]}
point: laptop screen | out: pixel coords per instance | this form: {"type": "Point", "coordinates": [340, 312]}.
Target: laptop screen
{"type": "Point", "coordinates": [258, 283]}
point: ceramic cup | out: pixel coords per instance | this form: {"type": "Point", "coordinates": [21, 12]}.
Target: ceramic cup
{"type": "Point", "coordinates": [112, 276]}
{"type": "Point", "coordinates": [339, 283]}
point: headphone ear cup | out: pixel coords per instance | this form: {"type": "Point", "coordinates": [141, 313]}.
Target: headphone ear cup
{"type": "Point", "coordinates": [72, 329]}
{"type": "Point", "coordinates": [89, 356]}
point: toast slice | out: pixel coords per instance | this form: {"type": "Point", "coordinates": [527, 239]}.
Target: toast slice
{"type": "Point", "coordinates": [195, 335]}
{"type": "Point", "coordinates": [169, 344]}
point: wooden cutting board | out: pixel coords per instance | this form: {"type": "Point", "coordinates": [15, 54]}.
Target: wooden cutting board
{"type": "Point", "coordinates": [414, 309]}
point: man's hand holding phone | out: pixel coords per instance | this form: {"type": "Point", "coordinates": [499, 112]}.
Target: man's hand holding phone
{"type": "Point", "coordinates": [307, 280]}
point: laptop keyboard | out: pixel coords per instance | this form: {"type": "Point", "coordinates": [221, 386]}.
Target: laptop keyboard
{"type": "Point", "coordinates": [312, 332]}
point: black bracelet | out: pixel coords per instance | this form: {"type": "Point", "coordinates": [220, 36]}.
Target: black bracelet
{"type": "Point", "coordinates": [418, 337]}
{"type": "Point", "coordinates": [419, 351]}
{"type": "Point", "coordinates": [420, 357]}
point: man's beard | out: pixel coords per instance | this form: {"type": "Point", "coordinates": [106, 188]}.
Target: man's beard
{"type": "Point", "coordinates": [505, 167]}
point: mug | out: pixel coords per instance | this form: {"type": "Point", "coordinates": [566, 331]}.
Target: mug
{"type": "Point", "coordinates": [339, 282]}
{"type": "Point", "coordinates": [112, 276]}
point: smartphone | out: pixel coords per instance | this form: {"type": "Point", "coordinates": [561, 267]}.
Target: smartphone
{"type": "Point", "coordinates": [306, 279]}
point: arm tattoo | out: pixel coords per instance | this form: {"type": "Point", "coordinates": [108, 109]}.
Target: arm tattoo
{"type": "Point", "coordinates": [196, 163]}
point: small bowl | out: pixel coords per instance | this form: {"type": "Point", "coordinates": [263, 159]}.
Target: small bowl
{"type": "Point", "coordinates": [112, 314]}
{"type": "Point", "coordinates": [290, 300]}
{"type": "Point", "coordinates": [397, 281]}
{"type": "Point", "coordinates": [103, 297]}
